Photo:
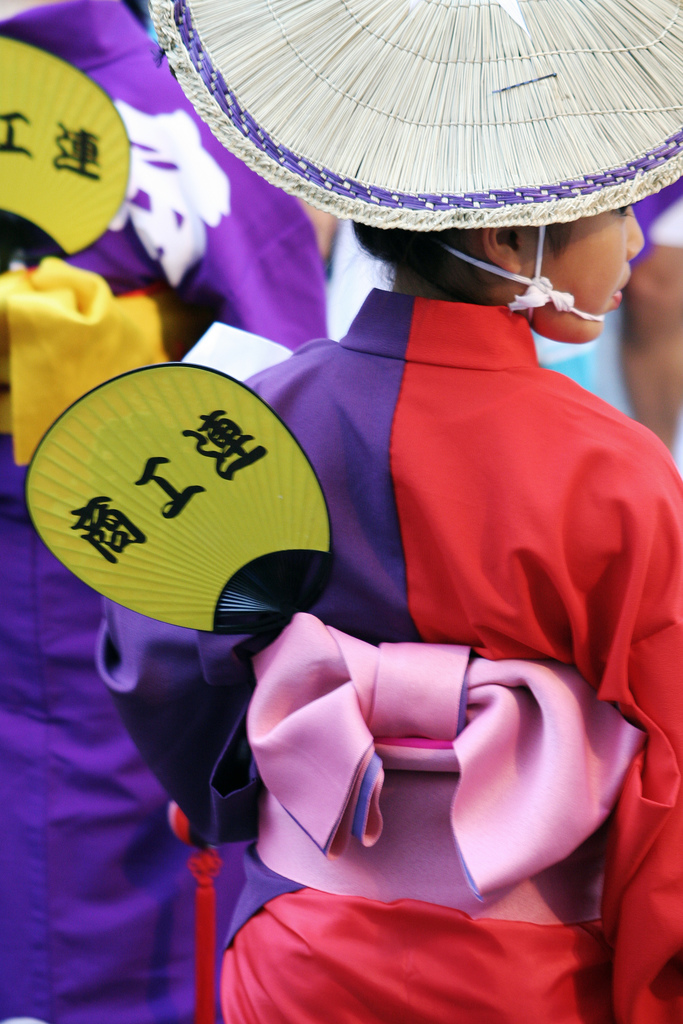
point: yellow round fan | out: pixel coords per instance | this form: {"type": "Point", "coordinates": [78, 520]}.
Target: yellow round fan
{"type": "Point", "coordinates": [177, 492]}
{"type": "Point", "coordinates": [64, 152]}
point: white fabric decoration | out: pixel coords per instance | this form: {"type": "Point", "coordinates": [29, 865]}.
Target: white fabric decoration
{"type": "Point", "coordinates": [174, 190]}
{"type": "Point", "coordinates": [539, 290]}
{"type": "Point", "coordinates": [510, 7]}
{"type": "Point", "coordinates": [667, 228]}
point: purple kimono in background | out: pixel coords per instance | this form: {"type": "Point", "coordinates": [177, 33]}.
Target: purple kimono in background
{"type": "Point", "coordinates": [649, 210]}
{"type": "Point", "coordinates": [96, 911]}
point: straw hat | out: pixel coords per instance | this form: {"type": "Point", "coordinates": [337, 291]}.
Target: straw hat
{"type": "Point", "coordinates": [428, 114]}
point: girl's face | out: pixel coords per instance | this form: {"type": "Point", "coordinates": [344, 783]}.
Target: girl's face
{"type": "Point", "coordinates": [594, 268]}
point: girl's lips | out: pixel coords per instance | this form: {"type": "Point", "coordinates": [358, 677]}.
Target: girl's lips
{"type": "Point", "coordinates": [616, 299]}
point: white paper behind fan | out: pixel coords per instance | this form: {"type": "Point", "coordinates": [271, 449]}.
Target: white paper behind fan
{"type": "Point", "coordinates": [238, 353]}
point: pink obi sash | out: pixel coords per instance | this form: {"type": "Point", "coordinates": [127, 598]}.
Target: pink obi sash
{"type": "Point", "coordinates": [417, 771]}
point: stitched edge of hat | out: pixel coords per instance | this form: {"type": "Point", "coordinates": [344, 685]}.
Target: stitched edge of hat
{"type": "Point", "coordinates": [199, 80]}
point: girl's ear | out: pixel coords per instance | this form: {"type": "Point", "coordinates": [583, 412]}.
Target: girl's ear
{"type": "Point", "coordinates": [511, 249]}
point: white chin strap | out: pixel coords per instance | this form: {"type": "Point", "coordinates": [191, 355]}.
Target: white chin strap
{"type": "Point", "coordinates": [539, 289]}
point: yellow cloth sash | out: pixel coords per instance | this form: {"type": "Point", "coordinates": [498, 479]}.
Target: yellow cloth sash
{"type": "Point", "coordinates": [62, 332]}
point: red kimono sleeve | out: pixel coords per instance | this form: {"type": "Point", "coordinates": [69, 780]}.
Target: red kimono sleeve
{"type": "Point", "coordinates": [639, 609]}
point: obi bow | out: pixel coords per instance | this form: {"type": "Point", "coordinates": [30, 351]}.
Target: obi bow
{"type": "Point", "coordinates": [537, 761]}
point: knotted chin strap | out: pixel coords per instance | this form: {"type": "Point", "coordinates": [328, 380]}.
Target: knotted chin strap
{"type": "Point", "coordinates": [539, 290]}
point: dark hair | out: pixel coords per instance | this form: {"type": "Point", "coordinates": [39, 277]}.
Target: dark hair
{"type": "Point", "coordinates": [140, 9]}
{"type": "Point", "coordinates": [419, 252]}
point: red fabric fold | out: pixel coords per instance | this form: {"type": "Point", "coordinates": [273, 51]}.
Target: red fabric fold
{"type": "Point", "coordinates": [296, 962]}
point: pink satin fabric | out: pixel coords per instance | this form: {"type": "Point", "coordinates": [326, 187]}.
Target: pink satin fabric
{"type": "Point", "coordinates": [467, 808]}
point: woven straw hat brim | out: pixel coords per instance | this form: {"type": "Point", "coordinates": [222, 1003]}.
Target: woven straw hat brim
{"type": "Point", "coordinates": [431, 114]}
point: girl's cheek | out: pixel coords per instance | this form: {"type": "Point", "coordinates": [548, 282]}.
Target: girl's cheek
{"type": "Point", "coordinates": [634, 237]}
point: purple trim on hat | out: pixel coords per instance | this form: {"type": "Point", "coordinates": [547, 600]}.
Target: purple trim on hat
{"type": "Point", "coordinates": [498, 198]}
